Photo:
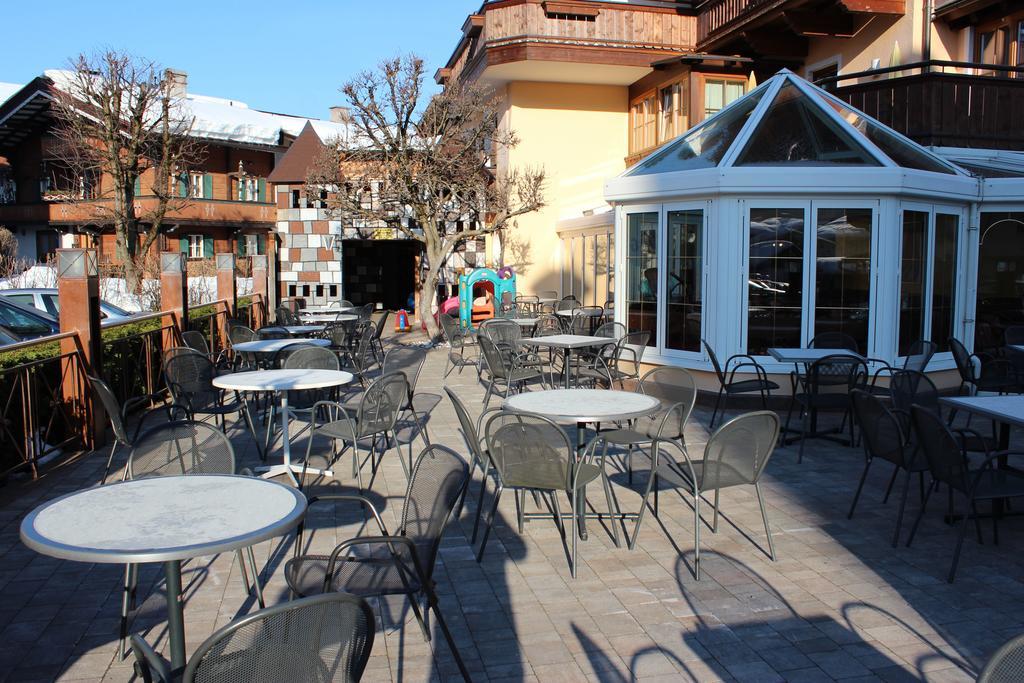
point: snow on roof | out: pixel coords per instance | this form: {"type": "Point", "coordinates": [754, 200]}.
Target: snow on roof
{"type": "Point", "coordinates": [8, 89]}
{"type": "Point", "coordinates": [217, 118]}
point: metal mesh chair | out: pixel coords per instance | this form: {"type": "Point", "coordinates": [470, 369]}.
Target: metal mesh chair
{"type": "Point", "coordinates": [502, 331]}
{"type": "Point", "coordinates": [360, 357]}
{"type": "Point", "coordinates": [376, 415]}
{"type": "Point", "coordinates": [676, 390]}
{"type": "Point", "coordinates": [189, 378]}
{"type": "Point", "coordinates": [285, 316]}
{"type": "Point", "coordinates": [506, 367]}
{"type": "Point", "coordinates": [629, 354]}
{"type": "Point", "coordinates": [918, 356]}
{"type": "Point", "coordinates": [884, 438]}
{"type": "Point", "coordinates": [322, 638]}
{"type": "Point", "coordinates": [532, 453]}
{"type": "Point", "coordinates": [1006, 665]}
{"type": "Point", "coordinates": [118, 415]}
{"type": "Point", "coordinates": [547, 325]}
{"type": "Point", "coordinates": [400, 563]}
{"type": "Point", "coordinates": [611, 330]}
{"type": "Point", "coordinates": [585, 319]}
{"type": "Point", "coordinates": [995, 374]}
{"type": "Point", "coordinates": [409, 361]}
{"type": "Point", "coordinates": [477, 450]}
{"type": "Point", "coordinates": [728, 385]}
{"type": "Point", "coordinates": [366, 311]}
{"type": "Point", "coordinates": [949, 465]}
{"type": "Point", "coordinates": [456, 339]}
{"type": "Point", "coordinates": [181, 448]}
{"type": "Point", "coordinates": [833, 340]}
{"type": "Point", "coordinates": [378, 330]}
{"type": "Point", "coordinates": [273, 333]}
{"type": "Point", "coordinates": [826, 386]}
{"type": "Point", "coordinates": [238, 334]}
{"type": "Point", "coordinates": [194, 339]}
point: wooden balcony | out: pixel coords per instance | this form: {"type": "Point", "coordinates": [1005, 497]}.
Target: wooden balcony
{"type": "Point", "coordinates": [942, 104]}
{"type": "Point", "coordinates": [196, 211]}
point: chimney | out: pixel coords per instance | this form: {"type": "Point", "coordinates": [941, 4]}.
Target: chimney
{"type": "Point", "coordinates": [341, 114]}
{"type": "Point", "coordinates": [177, 82]}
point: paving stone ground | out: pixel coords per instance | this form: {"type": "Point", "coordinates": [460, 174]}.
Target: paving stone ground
{"type": "Point", "coordinates": [838, 603]}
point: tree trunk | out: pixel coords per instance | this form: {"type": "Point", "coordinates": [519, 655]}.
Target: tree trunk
{"type": "Point", "coordinates": [436, 257]}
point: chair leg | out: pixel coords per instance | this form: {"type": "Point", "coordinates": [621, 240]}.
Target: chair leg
{"type": "Point", "coordinates": [920, 513]}
{"type": "Point", "coordinates": [572, 532]}
{"type": "Point", "coordinates": [892, 481]}
{"type": "Point", "coordinates": [903, 506]}
{"type": "Point", "coordinates": [960, 543]}
{"type": "Point", "coordinates": [764, 518]}
{"type": "Point", "coordinates": [714, 413]}
{"type": "Point", "coordinates": [714, 525]}
{"type": "Point", "coordinates": [256, 578]}
{"type": "Point", "coordinates": [479, 506]}
{"type": "Point", "coordinates": [631, 542]}
{"type": "Point", "coordinates": [612, 511]}
{"type": "Point", "coordinates": [696, 533]}
{"type": "Point", "coordinates": [520, 503]}
{"type": "Point", "coordinates": [856, 496]}
{"type": "Point", "coordinates": [805, 414]}
{"type": "Point", "coordinates": [110, 461]}
{"type": "Point", "coordinates": [432, 604]}
{"type": "Point", "coordinates": [490, 522]}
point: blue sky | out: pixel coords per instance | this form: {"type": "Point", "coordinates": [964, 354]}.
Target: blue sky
{"type": "Point", "coordinates": [288, 56]}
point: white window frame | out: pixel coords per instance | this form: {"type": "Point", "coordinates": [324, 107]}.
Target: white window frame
{"type": "Point", "coordinates": [836, 59]}
{"type": "Point", "coordinates": [248, 189]}
{"type": "Point", "coordinates": [195, 246]}
{"type": "Point", "coordinates": [196, 185]}
{"type": "Point", "coordinates": [662, 347]}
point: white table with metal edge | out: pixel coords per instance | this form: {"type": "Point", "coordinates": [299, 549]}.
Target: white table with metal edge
{"type": "Point", "coordinates": [584, 406]}
{"type": "Point", "coordinates": [328, 317]}
{"type": "Point", "coordinates": [567, 342]}
{"type": "Point", "coordinates": [1006, 410]}
{"type": "Point", "coordinates": [274, 345]}
{"type": "Point", "coordinates": [327, 309]}
{"type": "Point", "coordinates": [299, 330]}
{"type": "Point", "coordinates": [166, 520]}
{"type": "Point", "coordinates": [281, 382]}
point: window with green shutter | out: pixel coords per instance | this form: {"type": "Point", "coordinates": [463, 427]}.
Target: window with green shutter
{"type": "Point", "coordinates": [262, 196]}
{"type": "Point", "coordinates": [207, 186]}
{"type": "Point", "coordinates": [182, 184]}
{"type": "Point", "coordinates": [207, 246]}
{"type": "Point", "coordinates": [183, 245]}
{"type": "Point", "coordinates": [138, 186]}
{"type": "Point", "coordinates": [261, 244]}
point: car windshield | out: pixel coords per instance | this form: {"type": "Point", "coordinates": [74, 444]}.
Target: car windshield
{"type": "Point", "coordinates": [22, 323]}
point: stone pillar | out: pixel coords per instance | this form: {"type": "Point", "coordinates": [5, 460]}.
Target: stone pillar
{"type": "Point", "coordinates": [226, 292]}
{"type": "Point", "coordinates": [78, 291]}
{"type": "Point", "coordinates": [259, 291]}
{"type": "Point", "coordinates": [173, 297]}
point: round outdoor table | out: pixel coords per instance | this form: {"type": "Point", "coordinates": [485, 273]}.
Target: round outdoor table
{"type": "Point", "coordinates": [326, 309]}
{"type": "Point", "coordinates": [583, 406]}
{"type": "Point", "coordinates": [163, 519]}
{"type": "Point", "coordinates": [329, 317]}
{"type": "Point", "coordinates": [299, 330]}
{"type": "Point", "coordinates": [281, 382]}
{"type": "Point", "coordinates": [274, 345]}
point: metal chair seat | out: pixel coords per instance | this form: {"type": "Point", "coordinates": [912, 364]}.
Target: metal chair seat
{"type": "Point", "coordinates": [749, 385]}
{"type": "Point", "coordinates": [342, 429]}
{"type": "Point", "coordinates": [643, 430]}
{"type": "Point", "coordinates": [538, 476]}
{"type": "Point", "coordinates": [363, 576]}
{"type": "Point", "coordinates": [998, 483]}
{"type": "Point", "coordinates": [523, 374]}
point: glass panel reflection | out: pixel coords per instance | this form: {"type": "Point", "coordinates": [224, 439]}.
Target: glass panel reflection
{"type": "Point", "coordinates": [1000, 277]}
{"type": "Point", "coordinates": [775, 278]}
{"type": "Point", "coordinates": [685, 272]}
{"type": "Point", "coordinates": [947, 229]}
{"type": "Point", "coordinates": [913, 269]}
{"type": "Point", "coordinates": [843, 273]}
{"type": "Point", "coordinates": [642, 273]}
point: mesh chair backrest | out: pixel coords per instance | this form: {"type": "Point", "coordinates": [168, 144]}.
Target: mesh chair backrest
{"type": "Point", "coordinates": [833, 340]}
{"type": "Point", "coordinates": [611, 330]}
{"type": "Point", "coordinates": [174, 351]}
{"type": "Point", "coordinates": [337, 333]}
{"type": "Point", "coordinates": [547, 294]}
{"type": "Point", "coordinates": [880, 429]}
{"type": "Point", "coordinates": [281, 355]}
{"type": "Point", "coordinates": [946, 461]}
{"type": "Point", "coordinates": [495, 359]}
{"type": "Point", "coordinates": [437, 481]}
{"type": "Point", "coordinates": [451, 329]}
{"type": "Point", "coordinates": [677, 391]}
{"type": "Point", "coordinates": [630, 352]}
{"type": "Point", "coordinates": [344, 303]}
{"type": "Point", "coordinates": [190, 379]}
{"type": "Point", "coordinates": [739, 450]}
{"type": "Point", "coordinates": [836, 370]}
{"type": "Point", "coordinates": [381, 404]}
{"type": "Point", "coordinates": [714, 361]}
{"type": "Point", "coordinates": [284, 316]}
{"type": "Point", "coordinates": [309, 357]}
{"type": "Point", "coordinates": [181, 448]}
{"type": "Point", "coordinates": [546, 326]}
{"type": "Point", "coordinates": [194, 339]}
{"type": "Point", "coordinates": [530, 451]}
{"type": "Point", "coordinates": [366, 311]}
{"type": "Point", "coordinates": [583, 317]}
{"type": "Point", "coordinates": [363, 357]}
{"type": "Point", "coordinates": [381, 321]}
{"type": "Point", "coordinates": [1007, 664]}
{"type": "Point", "coordinates": [469, 434]}
{"type": "Point", "coordinates": [502, 331]}
{"type": "Point", "coordinates": [408, 360]}
{"type": "Point", "coordinates": [526, 298]}
{"type": "Point", "coordinates": [909, 387]}
{"type": "Point", "coordinates": [238, 334]}
{"type": "Point", "coordinates": [273, 333]}
{"type": "Point", "coordinates": [112, 408]}
{"type": "Point", "coordinates": [567, 305]}
{"type": "Point", "coordinates": [919, 354]}
{"type": "Point", "coordinates": [962, 358]}
{"type": "Point", "coordinates": [324, 638]}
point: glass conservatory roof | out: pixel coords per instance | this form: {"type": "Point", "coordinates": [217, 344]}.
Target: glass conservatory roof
{"type": "Point", "coordinates": [786, 121]}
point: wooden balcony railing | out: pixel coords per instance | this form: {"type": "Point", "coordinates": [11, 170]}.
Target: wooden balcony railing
{"type": "Point", "coordinates": [941, 103]}
{"type": "Point", "coordinates": [716, 15]}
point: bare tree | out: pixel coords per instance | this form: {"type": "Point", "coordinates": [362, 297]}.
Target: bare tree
{"type": "Point", "coordinates": [423, 168]}
{"type": "Point", "coordinates": [117, 117]}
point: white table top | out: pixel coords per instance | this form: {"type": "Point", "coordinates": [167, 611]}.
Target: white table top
{"type": "Point", "coordinates": [784, 355]}
{"type": "Point", "coordinates": [1017, 347]}
{"type": "Point", "coordinates": [328, 317]}
{"type": "Point", "coordinates": [304, 329]}
{"type": "Point", "coordinates": [275, 345]}
{"type": "Point", "coordinates": [568, 341]}
{"type": "Point", "coordinates": [546, 300]}
{"type": "Point", "coordinates": [523, 322]}
{"type": "Point", "coordinates": [326, 309]}
{"type": "Point", "coordinates": [583, 405]}
{"type": "Point", "coordinates": [580, 311]}
{"type": "Point", "coordinates": [1005, 409]}
{"type": "Point", "coordinates": [163, 518]}
{"type": "Point", "coordinates": [282, 380]}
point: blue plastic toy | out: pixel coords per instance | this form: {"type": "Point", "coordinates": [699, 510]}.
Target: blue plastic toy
{"type": "Point", "coordinates": [479, 283]}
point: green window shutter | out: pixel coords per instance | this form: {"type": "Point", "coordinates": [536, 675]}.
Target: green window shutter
{"type": "Point", "coordinates": [183, 245]}
{"type": "Point", "coordinates": [183, 184]}
{"type": "Point", "coordinates": [138, 186]}
{"type": "Point", "coordinates": [263, 189]}
{"type": "Point", "coordinates": [261, 244]}
{"type": "Point", "coordinates": [240, 244]}
{"type": "Point", "coordinates": [207, 246]}
{"type": "Point", "coordinates": [207, 186]}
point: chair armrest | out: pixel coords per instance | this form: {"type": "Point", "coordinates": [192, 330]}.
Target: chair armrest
{"type": "Point", "coordinates": [965, 431]}
{"type": "Point", "coordinates": [376, 540]}
{"type": "Point", "coordinates": [885, 367]}
{"type": "Point", "coordinates": [355, 497]}
{"type": "Point", "coordinates": [148, 662]}
{"type": "Point", "coordinates": [759, 370]}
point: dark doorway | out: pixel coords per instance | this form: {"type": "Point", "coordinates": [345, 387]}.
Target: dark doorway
{"type": "Point", "coordinates": [379, 271]}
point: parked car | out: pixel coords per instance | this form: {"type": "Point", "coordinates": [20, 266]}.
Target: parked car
{"type": "Point", "coordinates": [7, 337]}
{"type": "Point", "coordinates": [46, 300]}
{"type": "Point", "coordinates": [26, 322]}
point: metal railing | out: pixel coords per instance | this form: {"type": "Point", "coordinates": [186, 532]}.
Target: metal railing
{"type": "Point", "coordinates": [132, 362]}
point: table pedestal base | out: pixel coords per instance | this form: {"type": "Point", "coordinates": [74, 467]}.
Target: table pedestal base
{"type": "Point", "coordinates": [291, 469]}
{"type": "Point", "coordinates": [175, 618]}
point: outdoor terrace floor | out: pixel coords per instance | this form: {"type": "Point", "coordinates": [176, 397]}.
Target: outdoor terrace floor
{"type": "Point", "coordinates": [839, 603]}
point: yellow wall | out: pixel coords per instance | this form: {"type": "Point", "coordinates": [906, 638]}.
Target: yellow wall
{"type": "Point", "coordinates": [577, 133]}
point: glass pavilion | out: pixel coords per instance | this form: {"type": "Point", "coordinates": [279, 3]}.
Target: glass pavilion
{"type": "Point", "coordinates": [789, 214]}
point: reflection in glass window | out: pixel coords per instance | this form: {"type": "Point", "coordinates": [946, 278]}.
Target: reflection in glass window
{"type": "Point", "coordinates": [642, 273]}
{"type": "Point", "coordinates": [775, 279]}
{"type": "Point", "coordinates": [843, 273]}
{"type": "Point", "coordinates": [947, 228]}
{"type": "Point", "coordinates": [913, 269]}
{"type": "Point", "coordinates": [684, 286]}
{"type": "Point", "coordinates": [1000, 277]}
{"type": "Point", "coordinates": [720, 93]}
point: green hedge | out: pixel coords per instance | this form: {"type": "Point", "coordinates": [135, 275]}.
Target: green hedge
{"type": "Point", "coordinates": [50, 349]}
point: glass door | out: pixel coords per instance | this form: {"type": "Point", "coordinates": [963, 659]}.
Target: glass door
{"type": "Point", "coordinates": [642, 283]}
{"type": "Point", "coordinates": [684, 284]}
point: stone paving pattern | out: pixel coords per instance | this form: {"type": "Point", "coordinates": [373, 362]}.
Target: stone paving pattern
{"type": "Point", "coordinates": [838, 604]}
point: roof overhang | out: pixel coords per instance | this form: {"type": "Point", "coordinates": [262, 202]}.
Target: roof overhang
{"type": "Point", "coordinates": [702, 59]}
{"type": "Point", "coordinates": [25, 112]}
